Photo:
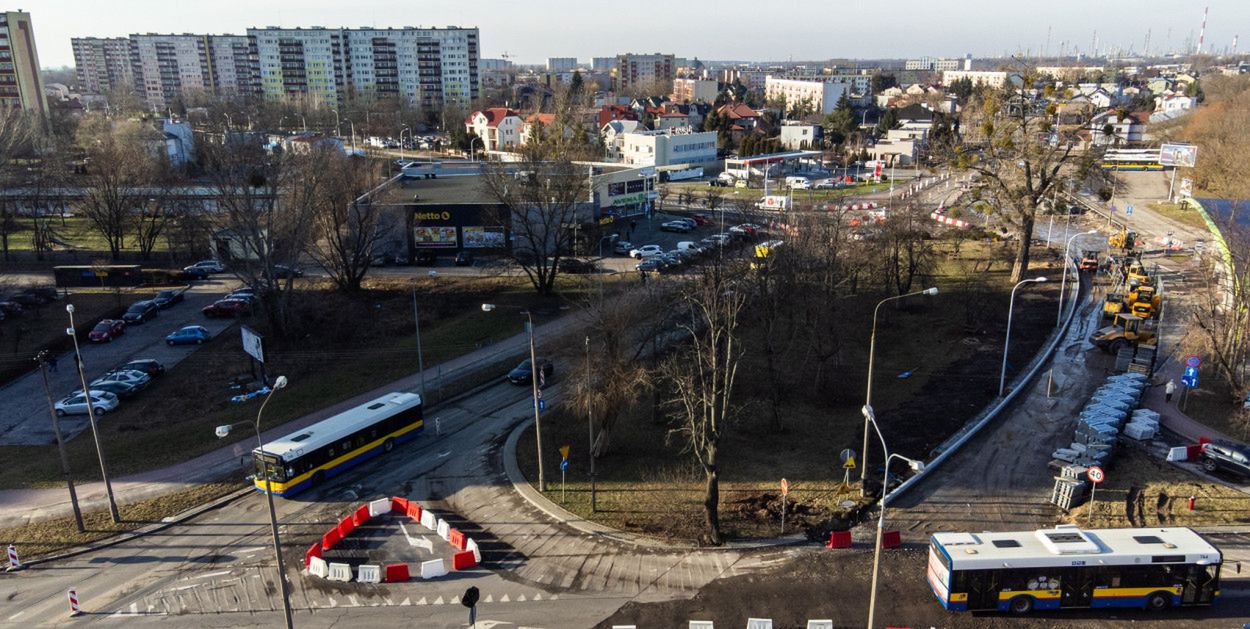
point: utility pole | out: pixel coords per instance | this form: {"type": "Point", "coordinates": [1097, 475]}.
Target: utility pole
{"type": "Point", "coordinates": [42, 358]}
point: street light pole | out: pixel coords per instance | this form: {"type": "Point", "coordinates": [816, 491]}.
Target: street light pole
{"type": "Point", "coordinates": [60, 443]}
{"type": "Point", "coordinates": [1067, 260]}
{"type": "Point", "coordinates": [590, 427]}
{"type": "Point", "coordinates": [915, 465]}
{"type": "Point", "coordinates": [401, 142]}
{"type": "Point", "coordinates": [1011, 304]}
{"type": "Point", "coordinates": [872, 351]}
{"type": "Point", "coordinates": [95, 431]}
{"type": "Point", "coordinates": [273, 516]}
{"type": "Point", "coordinates": [534, 371]}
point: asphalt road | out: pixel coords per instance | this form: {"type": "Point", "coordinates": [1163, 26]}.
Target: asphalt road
{"type": "Point", "coordinates": [23, 404]}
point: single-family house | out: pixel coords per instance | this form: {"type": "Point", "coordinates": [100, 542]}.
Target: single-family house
{"type": "Point", "coordinates": [498, 127]}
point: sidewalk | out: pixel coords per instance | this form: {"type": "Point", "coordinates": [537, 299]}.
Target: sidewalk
{"type": "Point", "coordinates": [1170, 414]}
{"type": "Point", "coordinates": [25, 505]}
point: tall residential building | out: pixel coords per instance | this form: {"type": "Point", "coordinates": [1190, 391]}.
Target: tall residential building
{"type": "Point", "coordinates": [328, 66]}
{"type": "Point", "coordinates": [234, 72]}
{"type": "Point", "coordinates": [191, 67]}
{"type": "Point", "coordinates": [20, 84]}
{"type": "Point", "coordinates": [642, 71]}
{"type": "Point", "coordinates": [561, 64]}
{"type": "Point", "coordinates": [602, 64]}
{"type": "Point", "coordinates": [103, 64]}
{"type": "Point", "coordinates": [821, 96]}
{"type": "Point", "coordinates": [695, 91]}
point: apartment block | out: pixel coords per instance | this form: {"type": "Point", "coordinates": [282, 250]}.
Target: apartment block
{"type": "Point", "coordinates": [821, 95]}
{"type": "Point", "coordinates": [642, 71]}
{"type": "Point", "coordinates": [695, 91]}
{"type": "Point", "coordinates": [21, 86]}
{"type": "Point", "coordinates": [103, 64]}
{"type": "Point", "coordinates": [561, 64]}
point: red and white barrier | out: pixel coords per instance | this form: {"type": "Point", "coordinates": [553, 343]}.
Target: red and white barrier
{"type": "Point", "coordinates": [14, 563]}
{"type": "Point", "coordinates": [318, 567]}
{"type": "Point", "coordinates": [340, 572]}
{"type": "Point", "coordinates": [379, 506]}
{"type": "Point", "coordinates": [369, 574]}
{"type": "Point", "coordinates": [946, 220]}
{"type": "Point", "coordinates": [73, 602]}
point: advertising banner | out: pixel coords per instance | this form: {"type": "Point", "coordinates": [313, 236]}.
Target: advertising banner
{"type": "Point", "coordinates": [483, 237]}
{"type": "Point", "coordinates": [1183, 155]}
{"type": "Point", "coordinates": [435, 236]}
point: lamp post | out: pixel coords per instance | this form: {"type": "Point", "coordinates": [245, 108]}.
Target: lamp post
{"type": "Point", "coordinates": [95, 431]}
{"type": "Point", "coordinates": [401, 141]}
{"type": "Point", "coordinates": [43, 358]}
{"type": "Point", "coordinates": [1011, 304]}
{"type": "Point", "coordinates": [338, 128]}
{"type": "Point", "coordinates": [221, 432]}
{"type": "Point", "coordinates": [872, 350]}
{"type": "Point", "coordinates": [534, 371]}
{"type": "Point", "coordinates": [1067, 260]}
{"type": "Point", "coordinates": [472, 151]}
{"type": "Point", "coordinates": [917, 466]}
{"type": "Point", "coordinates": [590, 427]}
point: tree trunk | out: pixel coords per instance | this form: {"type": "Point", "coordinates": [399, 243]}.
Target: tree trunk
{"type": "Point", "coordinates": [1021, 265]}
{"type": "Point", "coordinates": [711, 505]}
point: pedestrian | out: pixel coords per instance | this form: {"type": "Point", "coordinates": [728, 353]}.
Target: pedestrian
{"type": "Point", "coordinates": [52, 364]}
{"type": "Point", "coordinates": [1169, 390]}
{"type": "Point", "coordinates": [642, 275]}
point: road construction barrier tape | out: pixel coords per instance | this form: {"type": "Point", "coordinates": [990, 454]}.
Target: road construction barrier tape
{"type": "Point", "coordinates": [73, 602]}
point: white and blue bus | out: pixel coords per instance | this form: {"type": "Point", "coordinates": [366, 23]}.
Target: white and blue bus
{"type": "Point", "coordinates": [310, 455]}
{"type": "Point", "coordinates": [1067, 567]}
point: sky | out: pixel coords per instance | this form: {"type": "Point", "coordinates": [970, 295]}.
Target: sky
{"type": "Point", "coordinates": [529, 32]}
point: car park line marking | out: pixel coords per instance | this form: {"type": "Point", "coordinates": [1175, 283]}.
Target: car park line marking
{"type": "Point", "coordinates": [211, 574]}
{"type": "Point", "coordinates": [443, 454]}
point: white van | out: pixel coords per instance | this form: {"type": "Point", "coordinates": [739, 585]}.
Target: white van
{"type": "Point", "coordinates": [687, 245]}
{"type": "Point", "coordinates": [798, 183]}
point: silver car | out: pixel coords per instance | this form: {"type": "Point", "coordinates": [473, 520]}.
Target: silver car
{"type": "Point", "coordinates": [76, 404]}
{"type": "Point", "coordinates": [129, 376]}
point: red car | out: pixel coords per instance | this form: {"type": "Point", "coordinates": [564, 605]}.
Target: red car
{"type": "Point", "coordinates": [701, 219]}
{"type": "Point", "coordinates": [107, 330]}
{"type": "Point", "coordinates": [226, 308]}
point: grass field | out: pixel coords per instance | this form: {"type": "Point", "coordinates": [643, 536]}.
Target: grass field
{"type": "Point", "coordinates": [1180, 213]}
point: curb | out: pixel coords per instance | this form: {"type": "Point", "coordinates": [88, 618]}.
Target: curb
{"type": "Point", "coordinates": [563, 516]}
{"type": "Point", "coordinates": [143, 531]}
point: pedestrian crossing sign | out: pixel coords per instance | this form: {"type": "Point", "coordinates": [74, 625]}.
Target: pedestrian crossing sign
{"type": "Point", "coordinates": [849, 463]}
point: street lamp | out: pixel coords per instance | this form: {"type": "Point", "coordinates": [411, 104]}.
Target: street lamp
{"type": "Point", "coordinates": [43, 358]}
{"type": "Point", "coordinates": [916, 466]}
{"type": "Point", "coordinates": [338, 128]}
{"type": "Point", "coordinates": [472, 151]}
{"type": "Point", "coordinates": [221, 432]}
{"type": "Point", "coordinates": [401, 142]}
{"type": "Point", "coordinates": [872, 350]}
{"type": "Point", "coordinates": [95, 432]}
{"type": "Point", "coordinates": [1011, 304]}
{"type": "Point", "coordinates": [534, 371]}
{"type": "Point", "coordinates": [1067, 260]}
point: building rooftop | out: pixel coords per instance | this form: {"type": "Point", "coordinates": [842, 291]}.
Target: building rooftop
{"type": "Point", "coordinates": [445, 190]}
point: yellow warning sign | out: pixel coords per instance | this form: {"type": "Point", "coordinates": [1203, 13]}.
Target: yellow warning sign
{"type": "Point", "coordinates": [564, 452]}
{"type": "Point", "coordinates": [849, 463]}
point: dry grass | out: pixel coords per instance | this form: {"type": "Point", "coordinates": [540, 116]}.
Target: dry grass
{"type": "Point", "coordinates": [1183, 214]}
{"type": "Point", "coordinates": [47, 537]}
{"type": "Point", "coordinates": [1143, 491]}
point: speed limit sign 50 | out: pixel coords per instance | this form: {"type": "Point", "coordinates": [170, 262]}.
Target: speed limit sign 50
{"type": "Point", "coordinates": [1095, 475]}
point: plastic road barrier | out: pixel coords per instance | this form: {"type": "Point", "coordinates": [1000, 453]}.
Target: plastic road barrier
{"type": "Point", "coordinates": [314, 551]}
{"type": "Point", "coordinates": [362, 515]}
{"type": "Point", "coordinates": [471, 546]}
{"type": "Point", "coordinates": [428, 520]}
{"type": "Point", "coordinates": [379, 506]}
{"type": "Point", "coordinates": [399, 505]}
{"type": "Point", "coordinates": [443, 528]}
{"type": "Point", "coordinates": [369, 574]}
{"type": "Point", "coordinates": [891, 539]}
{"type": "Point", "coordinates": [433, 569]}
{"type": "Point", "coordinates": [73, 602]}
{"type": "Point", "coordinates": [397, 573]}
{"type": "Point", "coordinates": [340, 572]}
{"type": "Point", "coordinates": [840, 539]}
{"type": "Point", "coordinates": [456, 538]}
{"type": "Point", "coordinates": [331, 538]}
{"type": "Point", "coordinates": [318, 567]}
{"type": "Point", "coordinates": [346, 527]}
{"type": "Point", "coordinates": [14, 562]}
{"type": "Point", "coordinates": [463, 560]}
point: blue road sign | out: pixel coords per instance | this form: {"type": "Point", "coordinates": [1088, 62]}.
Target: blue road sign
{"type": "Point", "coordinates": [1190, 382]}
{"type": "Point", "coordinates": [542, 404]}
{"type": "Point", "coordinates": [564, 465]}
{"type": "Point", "coordinates": [1193, 361]}
{"type": "Point", "coordinates": [1128, 210]}
{"type": "Point", "coordinates": [1191, 372]}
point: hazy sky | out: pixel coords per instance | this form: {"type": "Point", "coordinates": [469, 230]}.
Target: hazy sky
{"type": "Point", "coordinates": [717, 29]}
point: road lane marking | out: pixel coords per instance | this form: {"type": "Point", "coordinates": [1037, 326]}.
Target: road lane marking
{"type": "Point", "coordinates": [211, 574]}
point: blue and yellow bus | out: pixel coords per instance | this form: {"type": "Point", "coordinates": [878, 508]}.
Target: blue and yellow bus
{"type": "Point", "coordinates": [1067, 567]}
{"type": "Point", "coordinates": [310, 455]}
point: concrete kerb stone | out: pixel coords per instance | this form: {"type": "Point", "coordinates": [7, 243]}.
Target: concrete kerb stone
{"type": "Point", "coordinates": [555, 512]}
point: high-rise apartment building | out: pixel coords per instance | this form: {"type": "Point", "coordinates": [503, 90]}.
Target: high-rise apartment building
{"type": "Point", "coordinates": [642, 71]}
{"type": "Point", "coordinates": [561, 64]}
{"type": "Point", "coordinates": [21, 86]}
{"type": "Point", "coordinates": [430, 66]}
{"type": "Point", "coordinates": [103, 64]}
{"type": "Point", "coordinates": [191, 67]}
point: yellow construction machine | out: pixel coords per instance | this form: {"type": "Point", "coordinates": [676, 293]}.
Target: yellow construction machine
{"type": "Point", "coordinates": [1144, 302]}
{"type": "Point", "coordinates": [1124, 240]}
{"type": "Point", "coordinates": [1125, 330]}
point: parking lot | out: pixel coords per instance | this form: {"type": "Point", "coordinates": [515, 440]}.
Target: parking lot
{"type": "Point", "coordinates": [24, 406]}
{"type": "Point", "coordinates": [640, 231]}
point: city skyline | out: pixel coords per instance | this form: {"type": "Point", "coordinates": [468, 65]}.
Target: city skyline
{"type": "Point", "coordinates": [979, 27]}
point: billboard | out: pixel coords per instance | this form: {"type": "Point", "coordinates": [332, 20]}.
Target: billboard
{"type": "Point", "coordinates": [773, 202]}
{"type": "Point", "coordinates": [434, 236]}
{"type": "Point", "coordinates": [253, 344]}
{"type": "Point", "coordinates": [1187, 187]}
{"type": "Point", "coordinates": [1183, 155]}
{"type": "Point", "coordinates": [483, 237]}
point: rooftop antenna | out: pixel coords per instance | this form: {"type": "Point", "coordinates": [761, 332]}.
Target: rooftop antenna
{"type": "Point", "coordinates": [1202, 33]}
{"type": "Point", "coordinates": [1147, 51]}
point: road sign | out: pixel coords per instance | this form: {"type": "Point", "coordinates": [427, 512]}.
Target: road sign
{"type": "Point", "coordinates": [564, 452]}
{"type": "Point", "coordinates": [785, 487]}
{"type": "Point", "coordinates": [1128, 210]}
{"type": "Point", "coordinates": [849, 464]}
{"type": "Point", "coordinates": [1190, 380]}
{"type": "Point", "coordinates": [845, 454]}
{"type": "Point", "coordinates": [564, 465]}
{"type": "Point", "coordinates": [1095, 474]}
{"type": "Point", "coordinates": [542, 404]}
{"type": "Point", "coordinates": [1193, 361]}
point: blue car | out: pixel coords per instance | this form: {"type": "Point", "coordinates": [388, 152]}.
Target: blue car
{"type": "Point", "coordinates": [190, 335]}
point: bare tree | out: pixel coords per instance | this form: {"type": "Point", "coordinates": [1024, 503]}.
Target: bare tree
{"type": "Point", "coordinates": [1011, 139]}
{"type": "Point", "coordinates": [1221, 313]}
{"type": "Point", "coordinates": [703, 376]}
{"type": "Point", "coordinates": [120, 166]}
{"type": "Point", "coordinates": [347, 225]}
{"type": "Point", "coordinates": [906, 249]}
{"type": "Point", "coordinates": [18, 130]}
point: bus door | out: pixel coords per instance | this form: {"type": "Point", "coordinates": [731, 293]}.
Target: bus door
{"type": "Point", "coordinates": [1200, 585]}
{"type": "Point", "coordinates": [983, 587]}
{"type": "Point", "coordinates": [1077, 588]}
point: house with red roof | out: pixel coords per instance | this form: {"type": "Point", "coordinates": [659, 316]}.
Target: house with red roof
{"type": "Point", "coordinates": [498, 127]}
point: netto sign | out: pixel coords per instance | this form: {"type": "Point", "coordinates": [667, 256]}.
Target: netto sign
{"type": "Point", "coordinates": [432, 216]}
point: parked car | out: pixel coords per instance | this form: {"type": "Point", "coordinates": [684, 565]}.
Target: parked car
{"type": "Point", "coordinates": [653, 263]}
{"type": "Point", "coordinates": [675, 226]}
{"type": "Point", "coordinates": [150, 366]}
{"type": "Point", "coordinates": [227, 308]}
{"type": "Point", "coordinates": [122, 390]}
{"type": "Point", "coordinates": [463, 258]}
{"type": "Point", "coordinates": [645, 251]}
{"type": "Point", "coordinates": [207, 266]}
{"type": "Point", "coordinates": [827, 184]}
{"type": "Point", "coordinates": [107, 330]}
{"type": "Point", "coordinates": [26, 299]}
{"type": "Point", "coordinates": [76, 404]}
{"type": "Point", "coordinates": [47, 293]}
{"type": "Point", "coordinates": [425, 258]}
{"type": "Point", "coordinates": [189, 335]}
{"type": "Point", "coordinates": [192, 273]}
{"type": "Point", "coordinates": [129, 376]}
{"type": "Point", "coordinates": [167, 298]}
{"type": "Point", "coordinates": [522, 373]}
{"type": "Point", "coordinates": [286, 272]}
{"type": "Point", "coordinates": [577, 265]}
{"type": "Point", "coordinates": [672, 259]}
{"type": "Point", "coordinates": [140, 312]}
{"type": "Point", "coordinates": [622, 247]}
{"type": "Point", "coordinates": [10, 307]}
{"type": "Point", "coordinates": [1227, 457]}
{"type": "Point", "coordinates": [701, 219]}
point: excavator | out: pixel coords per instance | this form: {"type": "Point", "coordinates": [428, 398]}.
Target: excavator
{"type": "Point", "coordinates": [1144, 302]}
{"type": "Point", "coordinates": [1124, 240]}
{"type": "Point", "coordinates": [1112, 305]}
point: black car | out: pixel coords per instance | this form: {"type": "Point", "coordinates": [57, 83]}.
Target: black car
{"type": "Point", "coordinates": [122, 390]}
{"type": "Point", "coordinates": [1228, 457]}
{"type": "Point", "coordinates": [192, 273]}
{"type": "Point", "coordinates": [27, 299]}
{"type": "Point", "coordinates": [577, 265]}
{"type": "Point", "coordinates": [425, 258]}
{"type": "Point", "coordinates": [464, 259]}
{"type": "Point", "coordinates": [167, 298]}
{"type": "Point", "coordinates": [286, 272]}
{"type": "Point", "coordinates": [141, 311]}
{"type": "Point", "coordinates": [521, 374]}
{"type": "Point", "coordinates": [147, 365]}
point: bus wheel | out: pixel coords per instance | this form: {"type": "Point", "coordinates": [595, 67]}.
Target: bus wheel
{"type": "Point", "coordinates": [1158, 602]}
{"type": "Point", "coordinates": [1021, 605]}
{"type": "Point", "coordinates": [388, 445]}
{"type": "Point", "coordinates": [318, 478]}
